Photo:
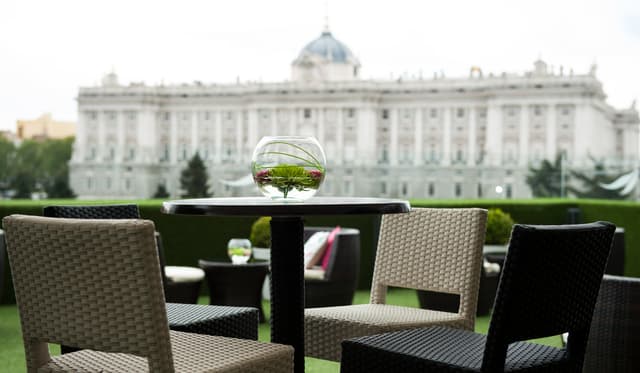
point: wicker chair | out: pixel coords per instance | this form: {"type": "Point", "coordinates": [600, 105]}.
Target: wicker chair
{"type": "Point", "coordinates": [427, 249]}
{"type": "Point", "coordinates": [530, 304]}
{"type": "Point", "coordinates": [614, 339]}
{"type": "Point", "coordinates": [2, 264]}
{"type": "Point", "coordinates": [235, 284]}
{"type": "Point", "coordinates": [340, 280]}
{"type": "Point", "coordinates": [233, 322]}
{"type": "Point", "coordinates": [119, 317]}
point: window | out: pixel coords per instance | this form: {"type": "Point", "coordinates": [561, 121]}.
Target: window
{"type": "Point", "coordinates": [511, 112]}
{"type": "Point", "coordinates": [459, 155]}
{"type": "Point", "coordinates": [458, 189]}
{"type": "Point", "coordinates": [355, 71]}
{"type": "Point", "coordinates": [307, 113]}
{"type": "Point", "coordinates": [348, 187]}
{"type": "Point", "coordinates": [132, 153]}
{"type": "Point", "coordinates": [383, 188]}
{"type": "Point", "coordinates": [351, 112]}
{"type": "Point", "coordinates": [127, 184]}
{"type": "Point", "coordinates": [537, 111]}
{"type": "Point", "coordinates": [460, 112]}
{"type": "Point", "coordinates": [384, 155]}
{"type": "Point", "coordinates": [431, 189]}
{"type": "Point", "coordinates": [108, 183]}
{"type": "Point", "coordinates": [433, 113]}
{"type": "Point", "coordinates": [509, 191]}
{"type": "Point", "coordinates": [385, 114]}
{"type": "Point", "coordinates": [480, 190]}
{"type": "Point", "coordinates": [565, 111]}
{"type": "Point", "coordinates": [166, 115]}
{"type": "Point", "coordinates": [89, 183]}
{"type": "Point", "coordinates": [404, 188]}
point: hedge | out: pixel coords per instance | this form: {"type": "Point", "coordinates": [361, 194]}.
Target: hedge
{"type": "Point", "coordinates": [189, 238]}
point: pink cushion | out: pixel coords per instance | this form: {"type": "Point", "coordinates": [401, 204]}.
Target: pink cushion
{"type": "Point", "coordinates": [327, 251]}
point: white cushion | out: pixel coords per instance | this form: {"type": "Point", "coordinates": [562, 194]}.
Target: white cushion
{"type": "Point", "coordinates": [314, 248]}
{"type": "Point", "coordinates": [183, 274]}
{"type": "Point", "coordinates": [315, 273]}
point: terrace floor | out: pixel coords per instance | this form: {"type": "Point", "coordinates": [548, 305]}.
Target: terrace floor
{"type": "Point", "coordinates": [12, 352]}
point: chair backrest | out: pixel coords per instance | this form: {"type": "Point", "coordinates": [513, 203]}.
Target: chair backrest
{"type": "Point", "coordinates": [93, 212]}
{"type": "Point", "coordinates": [549, 285]}
{"type": "Point", "coordinates": [432, 249]}
{"type": "Point", "coordinates": [125, 211]}
{"type": "Point", "coordinates": [344, 258]}
{"type": "Point", "coordinates": [614, 337]}
{"type": "Point", "coordinates": [2, 264]}
{"type": "Point", "coordinates": [89, 284]}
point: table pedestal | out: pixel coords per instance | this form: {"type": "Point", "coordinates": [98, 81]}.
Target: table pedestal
{"type": "Point", "coordinates": [287, 285]}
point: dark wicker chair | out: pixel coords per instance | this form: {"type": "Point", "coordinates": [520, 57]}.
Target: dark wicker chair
{"type": "Point", "coordinates": [341, 276]}
{"type": "Point", "coordinates": [531, 303]}
{"type": "Point", "coordinates": [3, 255]}
{"type": "Point", "coordinates": [614, 339]}
{"type": "Point", "coordinates": [235, 284]}
{"type": "Point", "coordinates": [233, 322]}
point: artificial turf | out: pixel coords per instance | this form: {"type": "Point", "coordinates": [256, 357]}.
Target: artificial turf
{"type": "Point", "coordinates": [12, 352]}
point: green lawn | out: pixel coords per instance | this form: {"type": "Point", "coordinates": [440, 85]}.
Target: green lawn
{"type": "Point", "coordinates": [12, 353]}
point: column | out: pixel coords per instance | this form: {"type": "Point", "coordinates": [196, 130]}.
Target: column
{"type": "Point", "coordinates": [446, 141]}
{"type": "Point", "coordinates": [418, 157]}
{"type": "Point", "coordinates": [471, 143]}
{"type": "Point", "coordinates": [173, 137]}
{"type": "Point", "coordinates": [252, 137]}
{"type": "Point", "coordinates": [550, 143]}
{"type": "Point", "coordinates": [320, 126]}
{"type": "Point", "coordinates": [523, 156]}
{"type": "Point", "coordinates": [340, 137]}
{"type": "Point", "coordinates": [239, 124]}
{"type": "Point", "coordinates": [120, 137]}
{"type": "Point", "coordinates": [102, 137]}
{"type": "Point", "coordinates": [393, 137]}
{"type": "Point", "coordinates": [194, 133]}
{"type": "Point", "coordinates": [218, 140]}
{"type": "Point", "coordinates": [273, 118]}
{"type": "Point", "coordinates": [147, 137]}
{"type": "Point", "coordinates": [494, 134]}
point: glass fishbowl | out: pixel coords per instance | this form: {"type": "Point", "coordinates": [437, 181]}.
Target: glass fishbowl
{"type": "Point", "coordinates": [289, 168]}
{"type": "Point", "coordinates": [239, 250]}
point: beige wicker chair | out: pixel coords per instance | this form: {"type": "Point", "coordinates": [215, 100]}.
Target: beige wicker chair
{"type": "Point", "coordinates": [96, 284]}
{"type": "Point", "coordinates": [427, 249]}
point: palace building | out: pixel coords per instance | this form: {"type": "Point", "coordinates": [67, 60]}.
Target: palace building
{"type": "Point", "coordinates": [410, 137]}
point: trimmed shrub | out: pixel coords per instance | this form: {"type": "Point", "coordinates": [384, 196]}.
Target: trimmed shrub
{"type": "Point", "coordinates": [499, 225]}
{"type": "Point", "coordinates": [260, 235]}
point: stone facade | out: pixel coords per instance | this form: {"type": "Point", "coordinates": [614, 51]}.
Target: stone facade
{"type": "Point", "coordinates": [418, 138]}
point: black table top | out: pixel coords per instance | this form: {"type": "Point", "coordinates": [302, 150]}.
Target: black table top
{"type": "Point", "coordinates": [253, 206]}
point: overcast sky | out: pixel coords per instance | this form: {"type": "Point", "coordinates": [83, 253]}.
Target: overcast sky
{"type": "Point", "coordinates": [50, 48]}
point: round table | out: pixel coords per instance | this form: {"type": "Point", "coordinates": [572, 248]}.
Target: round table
{"type": "Point", "coordinates": [287, 247]}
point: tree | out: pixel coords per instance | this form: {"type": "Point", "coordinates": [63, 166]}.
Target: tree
{"type": "Point", "coordinates": [26, 169]}
{"type": "Point", "coordinates": [7, 155]}
{"type": "Point", "coordinates": [193, 179]}
{"type": "Point", "coordinates": [161, 192]}
{"type": "Point", "coordinates": [55, 168]}
{"type": "Point", "coordinates": [38, 166]}
{"type": "Point", "coordinates": [545, 181]}
{"type": "Point", "coordinates": [591, 184]}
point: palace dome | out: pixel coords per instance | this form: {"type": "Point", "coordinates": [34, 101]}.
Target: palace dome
{"type": "Point", "coordinates": [330, 48]}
